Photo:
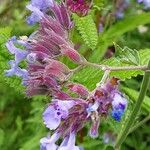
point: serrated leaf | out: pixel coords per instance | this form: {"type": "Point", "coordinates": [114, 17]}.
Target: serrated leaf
{"type": "Point", "coordinates": [115, 31]}
{"type": "Point", "coordinates": [87, 29]}
{"type": "Point", "coordinates": [4, 34]}
{"type": "Point", "coordinates": [127, 55]}
{"type": "Point", "coordinates": [91, 76]}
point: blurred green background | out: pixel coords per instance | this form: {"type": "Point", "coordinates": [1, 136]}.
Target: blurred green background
{"type": "Point", "coordinates": [21, 125]}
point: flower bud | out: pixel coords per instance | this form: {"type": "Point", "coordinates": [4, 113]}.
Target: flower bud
{"type": "Point", "coordinates": [79, 89]}
{"type": "Point", "coordinates": [71, 53]}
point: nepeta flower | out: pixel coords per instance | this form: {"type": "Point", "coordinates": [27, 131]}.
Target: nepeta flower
{"type": "Point", "coordinates": [94, 133]}
{"type": "Point", "coordinates": [145, 2]}
{"type": "Point", "coordinates": [38, 8]}
{"type": "Point", "coordinates": [119, 105]}
{"type": "Point", "coordinates": [55, 112]}
{"type": "Point", "coordinates": [69, 143]}
{"type": "Point", "coordinates": [36, 15]}
{"type": "Point", "coordinates": [48, 143]}
{"type": "Point", "coordinates": [15, 70]}
{"type": "Point", "coordinates": [19, 53]}
{"type": "Point", "coordinates": [42, 4]}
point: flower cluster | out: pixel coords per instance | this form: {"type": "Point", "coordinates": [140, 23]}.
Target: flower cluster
{"type": "Point", "coordinates": [42, 50]}
{"type": "Point", "coordinates": [69, 116]}
{"type": "Point", "coordinates": [46, 74]}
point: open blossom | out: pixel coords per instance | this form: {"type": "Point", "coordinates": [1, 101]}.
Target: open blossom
{"type": "Point", "coordinates": [56, 111]}
{"type": "Point", "coordinates": [48, 143]}
{"type": "Point", "coordinates": [38, 8]}
{"type": "Point", "coordinates": [145, 2]}
{"type": "Point", "coordinates": [119, 106]}
{"type": "Point", "coordinates": [19, 53]}
{"type": "Point", "coordinates": [15, 70]}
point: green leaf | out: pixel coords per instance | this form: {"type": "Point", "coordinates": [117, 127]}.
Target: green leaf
{"type": "Point", "coordinates": [87, 29]}
{"type": "Point", "coordinates": [114, 32]}
{"type": "Point", "coordinates": [127, 55]}
{"type": "Point", "coordinates": [4, 34]}
{"type": "Point", "coordinates": [91, 76]}
{"type": "Point", "coordinates": [133, 94]}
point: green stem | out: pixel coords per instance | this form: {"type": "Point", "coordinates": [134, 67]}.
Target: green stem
{"type": "Point", "coordinates": [111, 68]}
{"type": "Point", "coordinates": [139, 124]}
{"type": "Point", "coordinates": [136, 109]}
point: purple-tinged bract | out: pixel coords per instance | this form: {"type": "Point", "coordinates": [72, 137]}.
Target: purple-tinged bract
{"type": "Point", "coordinates": [80, 7]}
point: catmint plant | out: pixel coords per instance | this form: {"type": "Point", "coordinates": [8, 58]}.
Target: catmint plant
{"type": "Point", "coordinates": [71, 106]}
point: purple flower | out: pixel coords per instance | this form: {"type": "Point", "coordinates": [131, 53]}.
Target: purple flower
{"type": "Point", "coordinates": [92, 108]}
{"type": "Point", "coordinates": [119, 105]}
{"type": "Point", "coordinates": [94, 128]}
{"type": "Point", "coordinates": [15, 70]}
{"type": "Point", "coordinates": [38, 8]}
{"type": "Point", "coordinates": [48, 143]}
{"type": "Point", "coordinates": [55, 112]}
{"type": "Point", "coordinates": [139, 1]}
{"type": "Point", "coordinates": [93, 113]}
{"type": "Point", "coordinates": [31, 58]}
{"type": "Point", "coordinates": [145, 2]}
{"type": "Point", "coordinates": [19, 54]}
{"type": "Point", "coordinates": [69, 143]}
{"type": "Point", "coordinates": [119, 102]}
{"type": "Point", "coordinates": [36, 15]}
{"type": "Point", "coordinates": [117, 114]}
{"type": "Point", "coordinates": [42, 4]}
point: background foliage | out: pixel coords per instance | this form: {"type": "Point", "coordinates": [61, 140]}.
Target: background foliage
{"type": "Point", "coordinates": [21, 124]}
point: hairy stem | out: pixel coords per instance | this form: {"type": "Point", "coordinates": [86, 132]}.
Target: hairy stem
{"type": "Point", "coordinates": [122, 136]}
{"type": "Point", "coordinates": [139, 124]}
{"type": "Point", "coordinates": [104, 78]}
{"type": "Point", "coordinates": [106, 67]}
{"type": "Point", "coordinates": [77, 69]}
